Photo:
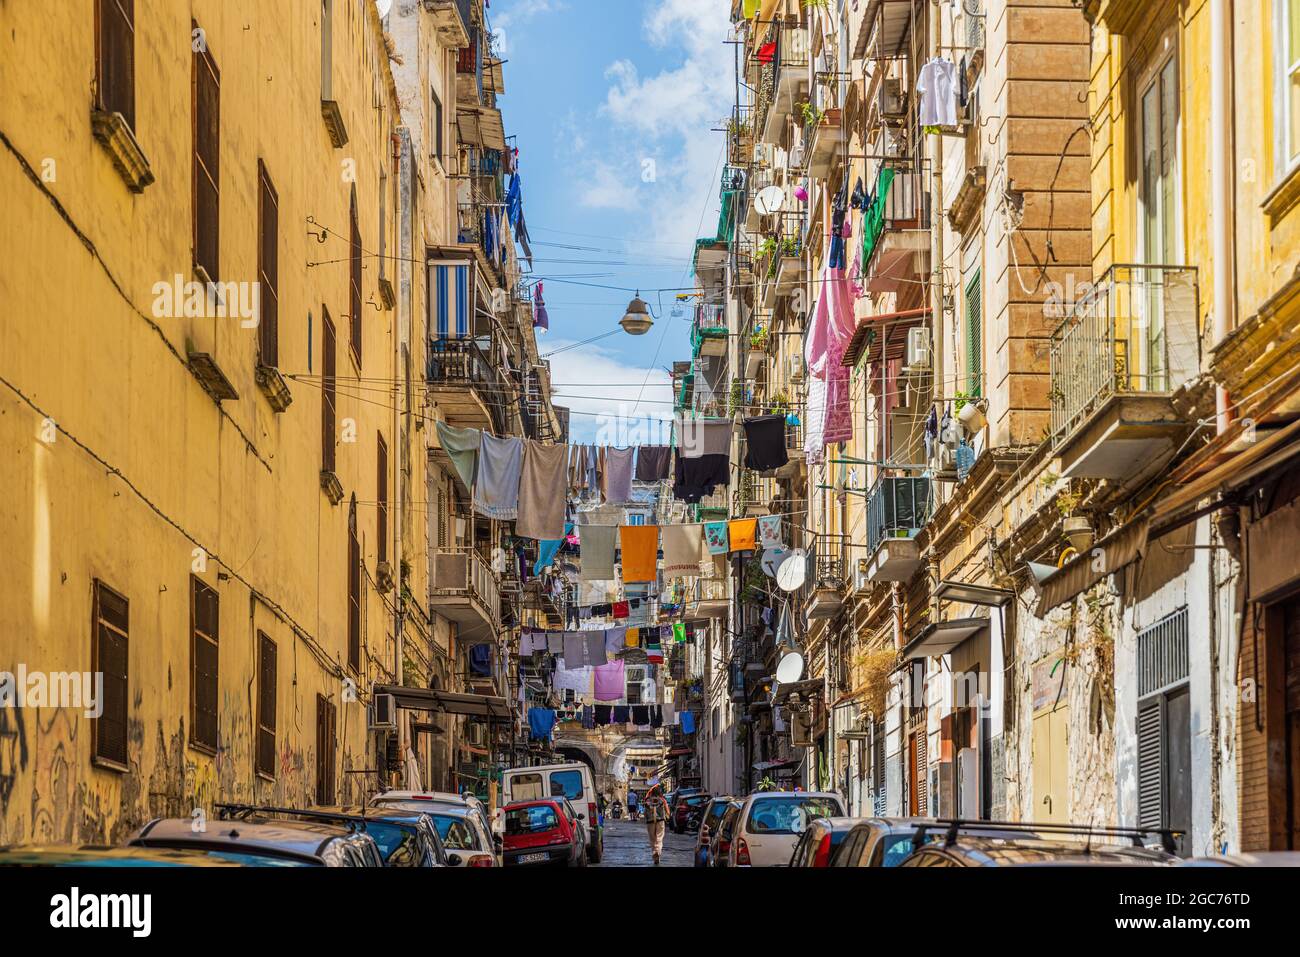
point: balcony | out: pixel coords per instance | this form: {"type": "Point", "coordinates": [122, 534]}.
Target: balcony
{"type": "Point", "coordinates": [796, 457]}
{"type": "Point", "coordinates": [824, 138]}
{"type": "Point", "coordinates": [465, 384]}
{"type": "Point", "coordinates": [897, 510]}
{"type": "Point", "coordinates": [828, 578]}
{"type": "Point", "coordinates": [464, 589]}
{"type": "Point", "coordinates": [451, 20]}
{"type": "Point", "coordinates": [781, 79]}
{"type": "Point", "coordinates": [896, 226]}
{"type": "Point", "coordinates": [1117, 359]}
{"type": "Point", "coordinates": [710, 598]}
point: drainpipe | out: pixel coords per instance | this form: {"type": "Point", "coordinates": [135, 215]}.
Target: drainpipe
{"type": "Point", "coordinates": [937, 317]}
{"type": "Point", "coordinates": [1223, 216]}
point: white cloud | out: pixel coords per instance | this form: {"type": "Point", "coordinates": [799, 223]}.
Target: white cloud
{"type": "Point", "coordinates": [604, 412]}
{"type": "Point", "coordinates": [517, 14]}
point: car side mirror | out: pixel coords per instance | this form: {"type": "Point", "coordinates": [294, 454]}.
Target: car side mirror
{"type": "Point", "coordinates": [455, 860]}
{"type": "Point", "coordinates": [498, 841]}
{"type": "Point", "coordinates": [582, 817]}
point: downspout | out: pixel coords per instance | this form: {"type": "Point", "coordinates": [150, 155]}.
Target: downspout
{"type": "Point", "coordinates": [403, 324]}
{"type": "Point", "coordinates": [1223, 216]}
{"type": "Point", "coordinates": [937, 316]}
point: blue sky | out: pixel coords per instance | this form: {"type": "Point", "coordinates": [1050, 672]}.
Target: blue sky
{"type": "Point", "coordinates": [613, 106]}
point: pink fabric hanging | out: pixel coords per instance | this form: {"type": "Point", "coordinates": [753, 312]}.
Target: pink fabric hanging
{"type": "Point", "coordinates": [611, 681]}
{"type": "Point", "coordinates": [829, 418]}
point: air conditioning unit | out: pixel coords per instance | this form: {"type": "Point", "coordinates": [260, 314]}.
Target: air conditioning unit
{"type": "Point", "coordinates": [918, 350]}
{"type": "Point", "coordinates": [861, 580]}
{"type": "Point", "coordinates": [795, 366]}
{"type": "Point", "coordinates": [382, 714]}
{"type": "Point", "coordinates": [892, 103]}
{"type": "Point", "coordinates": [451, 571]}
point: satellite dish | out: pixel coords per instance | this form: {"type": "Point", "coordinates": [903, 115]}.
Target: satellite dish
{"type": "Point", "coordinates": [772, 559]}
{"type": "Point", "coordinates": [793, 571]}
{"type": "Point", "coordinates": [383, 6]}
{"type": "Point", "coordinates": [790, 668]}
{"type": "Point", "coordinates": [769, 200]}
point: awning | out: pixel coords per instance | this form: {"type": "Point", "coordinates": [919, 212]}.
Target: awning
{"type": "Point", "coordinates": [1118, 549]}
{"type": "Point", "coordinates": [807, 686]}
{"type": "Point", "coordinates": [447, 702]}
{"type": "Point", "coordinates": [854, 350]}
{"type": "Point", "coordinates": [481, 126]}
{"type": "Point", "coordinates": [772, 765]}
{"type": "Point", "coordinates": [942, 637]}
{"type": "Point", "coordinates": [1263, 456]}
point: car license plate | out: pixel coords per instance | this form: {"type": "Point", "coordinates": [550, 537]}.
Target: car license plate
{"type": "Point", "coordinates": [532, 858]}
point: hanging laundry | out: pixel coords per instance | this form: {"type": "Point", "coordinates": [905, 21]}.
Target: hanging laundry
{"type": "Point", "coordinates": [615, 641]}
{"type": "Point", "coordinates": [688, 722]}
{"type": "Point", "coordinates": [588, 717]}
{"type": "Point", "coordinates": [859, 198]}
{"type": "Point", "coordinates": [548, 549]}
{"type": "Point", "coordinates": [577, 680]}
{"type": "Point", "coordinates": [632, 639]}
{"type": "Point", "coordinates": [640, 547]}
{"type": "Point", "coordinates": [668, 715]}
{"type": "Point", "coordinates": [618, 476]}
{"type": "Point", "coordinates": [937, 85]}
{"type": "Point", "coordinates": [541, 722]}
{"type": "Point", "coordinates": [640, 714]}
{"type": "Point", "coordinates": [583, 648]}
{"type": "Point", "coordinates": [597, 550]}
{"type": "Point", "coordinates": [683, 550]}
{"type": "Point", "coordinates": [541, 502]}
{"type": "Point", "coordinates": [766, 53]}
{"type": "Point", "coordinates": [622, 713]}
{"type": "Point", "coordinates": [765, 443]}
{"type": "Point", "coordinates": [769, 531]}
{"type": "Point", "coordinates": [480, 659]}
{"type": "Point", "coordinates": [694, 478]}
{"type": "Point", "coordinates": [679, 631]}
{"type": "Point", "coordinates": [621, 609]}
{"type": "Point", "coordinates": [555, 642]}
{"type": "Point", "coordinates": [715, 535]}
{"type": "Point", "coordinates": [700, 437]}
{"type": "Point", "coordinates": [653, 463]}
{"type": "Point", "coordinates": [496, 487]}
{"type": "Point", "coordinates": [602, 714]}
{"type": "Point", "coordinates": [540, 319]}
{"type": "Point", "coordinates": [577, 469]}
{"type": "Point", "coordinates": [514, 200]}
{"type": "Point", "coordinates": [595, 468]}
{"type": "Point", "coordinates": [461, 446]}
{"type": "Point", "coordinates": [741, 532]}
{"type": "Point", "coordinates": [610, 681]}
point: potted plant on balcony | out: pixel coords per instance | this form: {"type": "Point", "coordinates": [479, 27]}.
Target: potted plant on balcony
{"type": "Point", "coordinates": [971, 411]}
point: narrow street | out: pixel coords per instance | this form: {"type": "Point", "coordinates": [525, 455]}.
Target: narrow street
{"type": "Point", "coordinates": [626, 845]}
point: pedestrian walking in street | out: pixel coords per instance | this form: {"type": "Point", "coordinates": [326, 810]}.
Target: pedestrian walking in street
{"type": "Point", "coordinates": [631, 805]}
{"type": "Point", "coordinates": [656, 819]}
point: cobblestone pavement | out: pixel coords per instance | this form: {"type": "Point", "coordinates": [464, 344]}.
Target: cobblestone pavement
{"type": "Point", "coordinates": [627, 845]}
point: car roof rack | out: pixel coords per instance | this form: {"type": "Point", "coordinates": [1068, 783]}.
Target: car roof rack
{"type": "Point", "coordinates": [242, 812]}
{"type": "Point", "coordinates": [953, 826]}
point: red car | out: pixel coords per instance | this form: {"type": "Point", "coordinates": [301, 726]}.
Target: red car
{"type": "Point", "coordinates": [542, 832]}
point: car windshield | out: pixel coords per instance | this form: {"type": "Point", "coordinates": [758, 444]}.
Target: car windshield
{"type": "Point", "coordinates": [248, 858]}
{"type": "Point", "coordinates": [789, 815]}
{"type": "Point", "coordinates": [897, 847]}
{"type": "Point", "coordinates": [529, 820]}
{"type": "Point", "coordinates": [566, 784]}
{"type": "Point", "coordinates": [695, 801]}
{"type": "Point", "coordinates": [457, 833]}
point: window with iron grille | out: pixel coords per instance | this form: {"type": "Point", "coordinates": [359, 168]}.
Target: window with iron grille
{"type": "Point", "coordinates": [974, 336]}
{"type": "Point", "coordinates": [204, 631]}
{"type": "Point", "coordinates": [635, 678]}
{"type": "Point", "coordinates": [266, 701]}
{"type": "Point", "coordinates": [354, 589]}
{"type": "Point", "coordinates": [206, 172]}
{"type": "Point", "coordinates": [326, 722]}
{"type": "Point", "coordinates": [109, 629]}
{"type": "Point", "coordinates": [354, 279]}
{"type": "Point", "coordinates": [328, 396]}
{"type": "Point", "coordinates": [381, 456]}
{"type": "Point", "coordinates": [878, 775]}
{"type": "Point", "coordinates": [115, 58]}
{"type": "Point", "coordinates": [268, 268]}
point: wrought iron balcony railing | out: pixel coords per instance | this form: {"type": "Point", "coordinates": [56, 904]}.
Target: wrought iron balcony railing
{"type": "Point", "coordinates": [1135, 331]}
{"type": "Point", "coordinates": [897, 508]}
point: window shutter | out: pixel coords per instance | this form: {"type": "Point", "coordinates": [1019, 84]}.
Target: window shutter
{"type": "Point", "coordinates": [268, 270]}
{"type": "Point", "coordinates": [328, 372]}
{"type": "Point", "coordinates": [354, 280]}
{"type": "Point", "coordinates": [922, 774]}
{"type": "Point", "coordinates": [878, 766]}
{"type": "Point", "coordinates": [1150, 746]}
{"type": "Point", "coordinates": [205, 615]}
{"type": "Point", "coordinates": [116, 58]}
{"type": "Point", "coordinates": [974, 336]}
{"type": "Point", "coordinates": [206, 171]}
{"type": "Point", "coordinates": [381, 485]}
{"type": "Point", "coordinates": [266, 703]}
{"type": "Point", "coordinates": [110, 630]}
{"type": "Point", "coordinates": [354, 590]}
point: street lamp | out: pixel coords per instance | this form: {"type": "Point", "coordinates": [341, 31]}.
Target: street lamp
{"type": "Point", "coordinates": [637, 321]}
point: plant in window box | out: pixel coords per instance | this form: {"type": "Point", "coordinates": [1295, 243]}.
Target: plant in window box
{"type": "Point", "coordinates": [758, 340]}
{"type": "Point", "coordinates": [811, 114]}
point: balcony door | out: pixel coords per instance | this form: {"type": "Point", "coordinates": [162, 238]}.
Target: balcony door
{"type": "Point", "coordinates": [1145, 361]}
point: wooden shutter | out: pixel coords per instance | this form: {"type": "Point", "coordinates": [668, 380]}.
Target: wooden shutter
{"type": "Point", "coordinates": [1150, 746]}
{"type": "Point", "coordinates": [266, 703]}
{"type": "Point", "coordinates": [115, 57]}
{"type": "Point", "coordinates": [381, 486]}
{"type": "Point", "coordinates": [922, 774]}
{"type": "Point", "coordinates": [205, 628]}
{"type": "Point", "coordinates": [206, 166]}
{"type": "Point", "coordinates": [354, 589]}
{"type": "Point", "coordinates": [354, 279]}
{"type": "Point", "coordinates": [879, 777]}
{"type": "Point", "coordinates": [325, 745]}
{"type": "Point", "coordinates": [268, 269]}
{"type": "Point", "coordinates": [109, 631]}
{"type": "Point", "coordinates": [974, 337]}
{"type": "Point", "coordinates": [327, 405]}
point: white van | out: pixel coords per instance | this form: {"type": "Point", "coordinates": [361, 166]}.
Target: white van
{"type": "Point", "coordinates": [573, 781]}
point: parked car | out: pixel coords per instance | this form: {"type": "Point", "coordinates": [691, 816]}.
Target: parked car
{"type": "Point", "coordinates": [544, 832]}
{"type": "Point", "coordinates": [1003, 844]}
{"type": "Point", "coordinates": [270, 844]}
{"type": "Point", "coordinates": [467, 840]}
{"type": "Point", "coordinates": [676, 797]}
{"type": "Point", "coordinates": [679, 817]}
{"type": "Point", "coordinates": [573, 781]}
{"type": "Point", "coordinates": [720, 842]}
{"type": "Point", "coordinates": [1247, 859]}
{"type": "Point", "coordinates": [819, 841]}
{"type": "Point", "coordinates": [404, 838]}
{"type": "Point", "coordinates": [438, 797]}
{"type": "Point", "coordinates": [713, 812]}
{"type": "Point", "coordinates": [771, 823]}
{"type": "Point", "coordinates": [95, 855]}
{"type": "Point", "coordinates": [887, 841]}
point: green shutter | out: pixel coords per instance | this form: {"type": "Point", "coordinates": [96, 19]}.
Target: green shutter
{"type": "Point", "coordinates": [974, 338]}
